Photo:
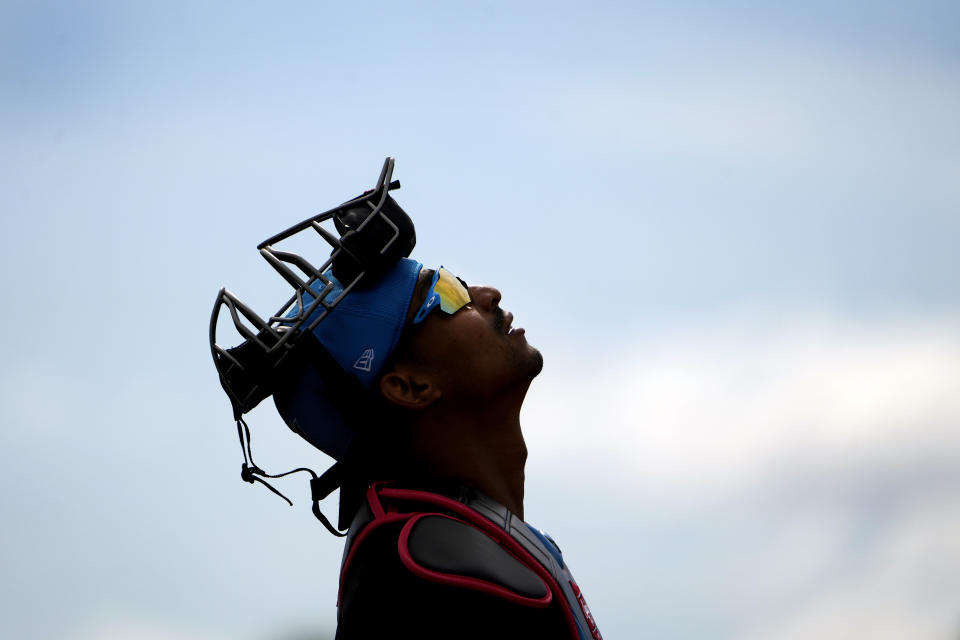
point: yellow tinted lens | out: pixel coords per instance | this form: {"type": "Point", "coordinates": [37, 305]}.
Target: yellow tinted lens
{"type": "Point", "coordinates": [453, 295]}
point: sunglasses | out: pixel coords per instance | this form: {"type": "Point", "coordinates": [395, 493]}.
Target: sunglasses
{"type": "Point", "coordinates": [446, 291]}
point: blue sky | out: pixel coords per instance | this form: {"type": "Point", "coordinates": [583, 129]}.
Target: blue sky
{"type": "Point", "coordinates": [730, 227]}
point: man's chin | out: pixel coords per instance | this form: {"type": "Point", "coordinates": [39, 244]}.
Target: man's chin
{"type": "Point", "coordinates": [536, 362]}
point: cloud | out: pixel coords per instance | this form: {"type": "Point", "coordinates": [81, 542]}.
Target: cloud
{"type": "Point", "coordinates": [782, 479]}
{"type": "Point", "coordinates": [720, 405]}
{"type": "Point", "coordinates": [38, 401]}
{"type": "Point", "coordinates": [905, 588]}
{"type": "Point", "coordinates": [124, 626]}
{"type": "Point", "coordinates": [801, 104]}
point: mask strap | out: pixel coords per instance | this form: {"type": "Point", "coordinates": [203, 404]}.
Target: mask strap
{"type": "Point", "coordinates": [320, 487]}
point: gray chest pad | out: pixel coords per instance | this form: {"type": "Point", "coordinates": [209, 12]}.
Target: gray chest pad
{"type": "Point", "coordinates": [447, 550]}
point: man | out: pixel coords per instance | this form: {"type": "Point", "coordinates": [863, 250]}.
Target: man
{"type": "Point", "coordinates": [414, 383]}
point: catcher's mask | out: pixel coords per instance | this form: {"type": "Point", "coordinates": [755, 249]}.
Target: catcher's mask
{"type": "Point", "coordinates": [330, 339]}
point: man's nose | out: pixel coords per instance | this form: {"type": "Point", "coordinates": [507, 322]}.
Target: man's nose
{"type": "Point", "coordinates": [485, 297]}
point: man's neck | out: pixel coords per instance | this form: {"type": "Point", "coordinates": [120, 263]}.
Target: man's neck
{"type": "Point", "coordinates": [483, 448]}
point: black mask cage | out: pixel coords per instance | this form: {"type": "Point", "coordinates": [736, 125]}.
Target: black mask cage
{"type": "Point", "coordinates": [370, 234]}
{"type": "Point", "coordinates": [374, 233]}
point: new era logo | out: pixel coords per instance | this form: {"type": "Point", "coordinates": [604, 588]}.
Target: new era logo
{"type": "Point", "coordinates": [365, 361]}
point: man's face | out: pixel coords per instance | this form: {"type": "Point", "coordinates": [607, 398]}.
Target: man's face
{"type": "Point", "coordinates": [475, 351]}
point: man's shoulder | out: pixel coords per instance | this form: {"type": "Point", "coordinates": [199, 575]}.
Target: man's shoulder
{"type": "Point", "coordinates": [444, 541]}
{"type": "Point", "coordinates": [436, 569]}
{"type": "Point", "coordinates": [446, 550]}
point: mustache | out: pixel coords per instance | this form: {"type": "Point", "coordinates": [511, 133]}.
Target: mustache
{"type": "Point", "coordinates": [499, 319]}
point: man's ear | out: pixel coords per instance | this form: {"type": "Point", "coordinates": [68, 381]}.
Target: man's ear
{"type": "Point", "coordinates": [408, 390]}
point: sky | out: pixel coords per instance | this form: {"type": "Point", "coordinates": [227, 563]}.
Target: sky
{"type": "Point", "coordinates": [730, 227]}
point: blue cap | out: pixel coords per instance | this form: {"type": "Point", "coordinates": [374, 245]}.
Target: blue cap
{"type": "Point", "coordinates": [360, 333]}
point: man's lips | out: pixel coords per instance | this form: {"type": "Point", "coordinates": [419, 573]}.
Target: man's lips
{"type": "Point", "coordinates": [503, 322]}
{"type": "Point", "coordinates": [508, 326]}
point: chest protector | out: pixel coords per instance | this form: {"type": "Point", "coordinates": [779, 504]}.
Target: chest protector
{"type": "Point", "coordinates": [471, 541]}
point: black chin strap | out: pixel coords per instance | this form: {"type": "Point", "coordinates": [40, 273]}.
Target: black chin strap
{"type": "Point", "coordinates": [320, 487]}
